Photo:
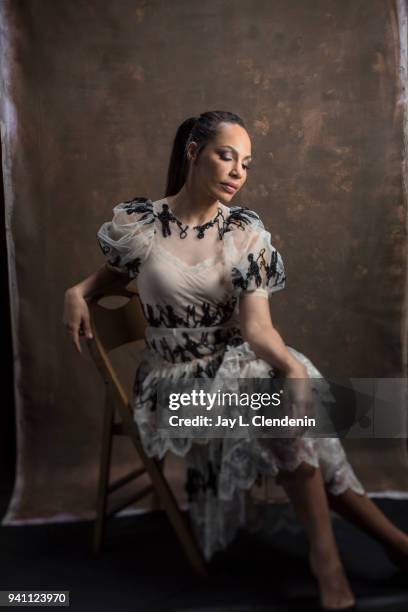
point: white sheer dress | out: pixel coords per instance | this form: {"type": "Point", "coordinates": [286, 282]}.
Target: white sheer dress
{"type": "Point", "coordinates": [190, 287]}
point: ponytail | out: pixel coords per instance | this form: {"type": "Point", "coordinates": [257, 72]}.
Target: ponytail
{"type": "Point", "coordinates": [200, 130]}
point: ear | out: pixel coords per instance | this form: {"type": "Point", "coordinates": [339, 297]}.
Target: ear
{"type": "Point", "coordinates": [191, 150]}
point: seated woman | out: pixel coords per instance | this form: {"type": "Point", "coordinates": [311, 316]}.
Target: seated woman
{"type": "Point", "coordinates": [205, 271]}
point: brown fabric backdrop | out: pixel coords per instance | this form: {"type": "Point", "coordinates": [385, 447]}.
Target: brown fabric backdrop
{"type": "Point", "coordinates": [92, 94]}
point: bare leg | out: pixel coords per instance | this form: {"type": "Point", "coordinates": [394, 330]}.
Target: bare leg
{"type": "Point", "coordinates": [305, 489]}
{"type": "Point", "coordinates": [365, 514]}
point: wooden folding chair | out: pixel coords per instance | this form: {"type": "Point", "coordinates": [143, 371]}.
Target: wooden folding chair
{"type": "Point", "coordinates": [111, 328]}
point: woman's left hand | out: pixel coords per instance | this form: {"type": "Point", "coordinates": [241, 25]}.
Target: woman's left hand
{"type": "Point", "coordinates": [298, 395]}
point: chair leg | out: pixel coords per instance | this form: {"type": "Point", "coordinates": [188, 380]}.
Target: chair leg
{"type": "Point", "coordinates": [104, 471]}
{"type": "Point", "coordinates": [167, 499]}
{"type": "Point", "coordinates": [184, 533]}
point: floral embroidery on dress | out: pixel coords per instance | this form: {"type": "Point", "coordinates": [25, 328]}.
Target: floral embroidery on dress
{"type": "Point", "coordinates": [255, 265]}
{"type": "Point", "coordinates": [141, 206]}
{"type": "Point", "coordinates": [124, 238]}
{"type": "Point", "coordinates": [203, 315]}
{"type": "Point", "coordinates": [239, 217]}
{"type": "Point", "coordinates": [202, 344]}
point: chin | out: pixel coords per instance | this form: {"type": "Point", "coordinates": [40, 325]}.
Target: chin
{"type": "Point", "coordinates": [224, 196]}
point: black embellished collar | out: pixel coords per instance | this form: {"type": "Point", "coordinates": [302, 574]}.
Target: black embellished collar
{"type": "Point", "coordinates": [238, 216]}
{"type": "Point", "coordinates": [166, 216]}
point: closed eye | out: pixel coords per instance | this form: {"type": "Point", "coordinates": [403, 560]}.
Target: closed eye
{"type": "Point", "coordinates": [230, 159]}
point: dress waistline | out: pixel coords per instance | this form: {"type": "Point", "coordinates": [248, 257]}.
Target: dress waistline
{"type": "Point", "coordinates": [183, 344]}
{"type": "Point", "coordinates": [176, 331]}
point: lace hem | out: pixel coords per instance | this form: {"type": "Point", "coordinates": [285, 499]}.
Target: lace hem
{"type": "Point", "coordinates": [221, 471]}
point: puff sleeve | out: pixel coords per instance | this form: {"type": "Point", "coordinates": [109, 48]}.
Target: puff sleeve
{"type": "Point", "coordinates": [258, 267]}
{"type": "Point", "coordinates": [127, 238]}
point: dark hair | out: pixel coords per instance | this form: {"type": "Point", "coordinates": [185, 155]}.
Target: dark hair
{"type": "Point", "coordinates": [200, 129]}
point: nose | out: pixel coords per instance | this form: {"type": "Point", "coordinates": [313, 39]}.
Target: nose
{"type": "Point", "coordinates": [236, 172]}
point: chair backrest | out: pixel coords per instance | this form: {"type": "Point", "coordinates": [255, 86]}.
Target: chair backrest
{"type": "Point", "coordinates": [114, 327]}
{"type": "Point", "coordinates": [111, 328]}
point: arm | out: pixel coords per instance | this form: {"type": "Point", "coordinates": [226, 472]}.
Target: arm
{"type": "Point", "coordinates": [98, 282]}
{"type": "Point", "coordinates": [76, 312]}
{"type": "Point", "coordinates": [258, 330]}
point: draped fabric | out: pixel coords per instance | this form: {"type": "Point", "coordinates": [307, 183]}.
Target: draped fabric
{"type": "Point", "coordinates": [88, 116]}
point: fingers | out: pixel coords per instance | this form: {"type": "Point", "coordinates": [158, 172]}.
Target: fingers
{"type": "Point", "coordinates": [87, 328]}
{"type": "Point", "coordinates": [75, 332]}
{"type": "Point", "coordinates": [75, 339]}
{"type": "Point", "coordinates": [77, 320]}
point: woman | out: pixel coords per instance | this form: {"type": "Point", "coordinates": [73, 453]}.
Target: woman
{"type": "Point", "coordinates": [204, 274]}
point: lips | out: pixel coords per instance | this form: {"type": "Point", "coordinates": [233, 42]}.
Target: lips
{"type": "Point", "coordinates": [230, 185]}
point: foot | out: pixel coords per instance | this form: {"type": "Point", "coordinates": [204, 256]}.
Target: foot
{"type": "Point", "coordinates": [335, 591]}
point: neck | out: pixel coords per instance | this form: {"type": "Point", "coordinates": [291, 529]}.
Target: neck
{"type": "Point", "coordinates": [193, 207]}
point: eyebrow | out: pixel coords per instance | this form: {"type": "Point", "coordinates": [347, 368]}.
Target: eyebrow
{"type": "Point", "coordinates": [231, 147]}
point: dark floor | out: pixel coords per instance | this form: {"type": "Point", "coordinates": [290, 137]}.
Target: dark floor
{"type": "Point", "coordinates": [143, 568]}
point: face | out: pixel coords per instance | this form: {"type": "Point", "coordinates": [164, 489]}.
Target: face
{"type": "Point", "coordinates": [225, 159]}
